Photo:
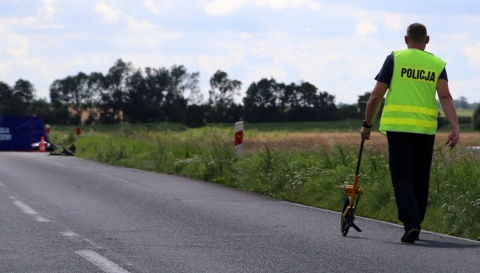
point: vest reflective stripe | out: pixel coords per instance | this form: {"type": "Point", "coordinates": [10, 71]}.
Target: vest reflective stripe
{"type": "Point", "coordinates": [411, 109]}
{"type": "Point", "coordinates": [410, 104]}
{"type": "Point", "coordinates": [412, 122]}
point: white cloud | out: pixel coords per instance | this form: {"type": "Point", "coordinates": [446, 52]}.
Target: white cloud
{"type": "Point", "coordinates": [469, 19]}
{"type": "Point", "coordinates": [256, 73]}
{"type": "Point", "coordinates": [376, 19]}
{"type": "Point", "coordinates": [225, 7]}
{"type": "Point", "coordinates": [337, 46]}
{"type": "Point", "coordinates": [151, 5]}
{"type": "Point", "coordinates": [110, 14]}
{"type": "Point", "coordinates": [144, 29]}
{"type": "Point", "coordinates": [212, 63]}
{"type": "Point", "coordinates": [13, 45]}
{"type": "Point", "coordinates": [472, 53]}
{"type": "Point", "coordinates": [139, 25]}
{"type": "Point", "coordinates": [47, 11]}
{"type": "Point", "coordinates": [365, 28]}
{"type": "Point", "coordinates": [143, 34]}
{"type": "Point", "coordinates": [283, 4]}
{"type": "Point", "coordinates": [394, 21]}
{"type": "Point", "coordinates": [156, 6]}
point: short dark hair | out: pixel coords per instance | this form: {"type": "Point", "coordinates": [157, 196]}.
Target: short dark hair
{"type": "Point", "coordinates": [417, 32]}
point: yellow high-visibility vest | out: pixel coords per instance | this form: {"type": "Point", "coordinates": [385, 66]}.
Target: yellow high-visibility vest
{"type": "Point", "coordinates": [410, 104]}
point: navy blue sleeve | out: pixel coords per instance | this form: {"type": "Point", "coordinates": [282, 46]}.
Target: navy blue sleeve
{"type": "Point", "coordinates": [443, 75]}
{"type": "Point", "coordinates": [386, 73]}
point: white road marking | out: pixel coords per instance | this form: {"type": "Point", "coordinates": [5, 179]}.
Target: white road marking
{"type": "Point", "coordinates": [98, 260]}
{"type": "Point", "coordinates": [123, 180]}
{"type": "Point", "coordinates": [92, 243]}
{"type": "Point", "coordinates": [28, 210]}
{"type": "Point", "coordinates": [77, 238]}
{"type": "Point", "coordinates": [101, 262]}
{"type": "Point", "coordinates": [117, 178]}
{"type": "Point", "coordinates": [382, 222]}
{"type": "Point", "coordinates": [69, 233]}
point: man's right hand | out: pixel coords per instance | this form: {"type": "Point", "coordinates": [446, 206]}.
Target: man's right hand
{"type": "Point", "coordinates": [453, 138]}
{"type": "Point", "coordinates": [365, 133]}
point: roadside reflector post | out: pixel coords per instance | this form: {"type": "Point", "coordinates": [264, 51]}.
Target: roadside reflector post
{"type": "Point", "coordinates": [239, 138]}
{"type": "Point", "coordinates": [78, 132]}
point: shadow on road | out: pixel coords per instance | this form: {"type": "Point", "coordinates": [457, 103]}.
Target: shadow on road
{"type": "Point", "coordinates": [426, 243]}
{"type": "Point", "coordinates": [446, 245]}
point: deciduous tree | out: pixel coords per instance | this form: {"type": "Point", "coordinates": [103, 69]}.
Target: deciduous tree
{"type": "Point", "coordinates": [221, 94]}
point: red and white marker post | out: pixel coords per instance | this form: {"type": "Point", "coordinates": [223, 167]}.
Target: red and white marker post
{"type": "Point", "coordinates": [239, 138]}
{"type": "Point", "coordinates": [78, 132]}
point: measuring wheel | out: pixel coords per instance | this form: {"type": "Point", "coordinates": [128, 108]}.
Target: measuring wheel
{"type": "Point", "coordinates": [346, 217]}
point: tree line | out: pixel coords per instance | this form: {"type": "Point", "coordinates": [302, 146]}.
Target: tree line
{"type": "Point", "coordinates": [136, 95]}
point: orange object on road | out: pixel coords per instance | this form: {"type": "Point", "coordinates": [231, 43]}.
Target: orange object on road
{"type": "Point", "coordinates": [41, 147]}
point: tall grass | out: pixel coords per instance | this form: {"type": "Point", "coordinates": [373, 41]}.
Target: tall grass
{"type": "Point", "coordinates": [313, 177]}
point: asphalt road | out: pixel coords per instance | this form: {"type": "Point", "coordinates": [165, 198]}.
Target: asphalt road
{"type": "Point", "coordinates": [65, 214]}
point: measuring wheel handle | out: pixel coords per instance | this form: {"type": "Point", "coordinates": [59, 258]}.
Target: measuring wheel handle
{"type": "Point", "coordinates": [348, 216]}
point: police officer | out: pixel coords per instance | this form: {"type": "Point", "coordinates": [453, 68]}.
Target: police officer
{"type": "Point", "coordinates": [409, 119]}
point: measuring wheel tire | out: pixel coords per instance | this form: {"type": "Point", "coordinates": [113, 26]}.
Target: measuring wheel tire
{"type": "Point", "coordinates": [345, 217]}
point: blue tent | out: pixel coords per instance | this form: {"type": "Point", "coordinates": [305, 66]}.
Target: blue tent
{"type": "Point", "coordinates": [18, 133]}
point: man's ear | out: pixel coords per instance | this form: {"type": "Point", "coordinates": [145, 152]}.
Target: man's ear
{"type": "Point", "coordinates": [427, 39]}
{"type": "Point", "coordinates": [406, 40]}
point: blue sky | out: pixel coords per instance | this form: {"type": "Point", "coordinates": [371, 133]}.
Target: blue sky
{"type": "Point", "coordinates": [338, 46]}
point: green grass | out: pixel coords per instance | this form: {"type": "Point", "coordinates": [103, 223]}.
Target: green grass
{"type": "Point", "coordinates": [462, 112]}
{"type": "Point", "coordinates": [337, 126]}
{"type": "Point", "coordinates": [310, 177]}
{"type": "Point", "coordinates": [465, 112]}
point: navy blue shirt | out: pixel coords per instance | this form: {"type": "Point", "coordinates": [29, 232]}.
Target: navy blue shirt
{"type": "Point", "coordinates": [386, 73]}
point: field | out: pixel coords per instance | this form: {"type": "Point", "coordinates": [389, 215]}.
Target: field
{"type": "Point", "coordinates": [465, 112]}
{"type": "Point", "coordinates": [306, 163]}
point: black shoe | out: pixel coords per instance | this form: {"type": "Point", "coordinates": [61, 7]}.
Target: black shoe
{"type": "Point", "coordinates": [410, 236]}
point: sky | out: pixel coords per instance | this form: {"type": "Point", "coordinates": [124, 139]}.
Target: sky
{"type": "Point", "coordinates": [338, 46]}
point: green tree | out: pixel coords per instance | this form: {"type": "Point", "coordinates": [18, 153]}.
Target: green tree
{"type": "Point", "coordinates": [6, 95]}
{"type": "Point", "coordinates": [115, 92]}
{"type": "Point", "coordinates": [348, 111]}
{"type": "Point", "coordinates": [179, 82]}
{"type": "Point", "coordinates": [71, 93]}
{"type": "Point", "coordinates": [96, 85]}
{"type": "Point", "coordinates": [263, 101]}
{"type": "Point", "coordinates": [24, 90]}
{"type": "Point", "coordinates": [306, 103]}
{"type": "Point", "coordinates": [461, 103]}
{"type": "Point", "coordinates": [326, 108]}
{"type": "Point", "coordinates": [221, 94]}
{"type": "Point", "coordinates": [141, 103]}
{"type": "Point", "coordinates": [362, 104]}
{"type": "Point", "coordinates": [195, 115]}
{"type": "Point", "coordinates": [43, 109]}
{"type": "Point", "coordinates": [10, 103]}
{"type": "Point", "coordinates": [161, 92]}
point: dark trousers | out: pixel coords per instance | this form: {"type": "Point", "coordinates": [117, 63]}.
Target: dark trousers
{"type": "Point", "coordinates": [410, 159]}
